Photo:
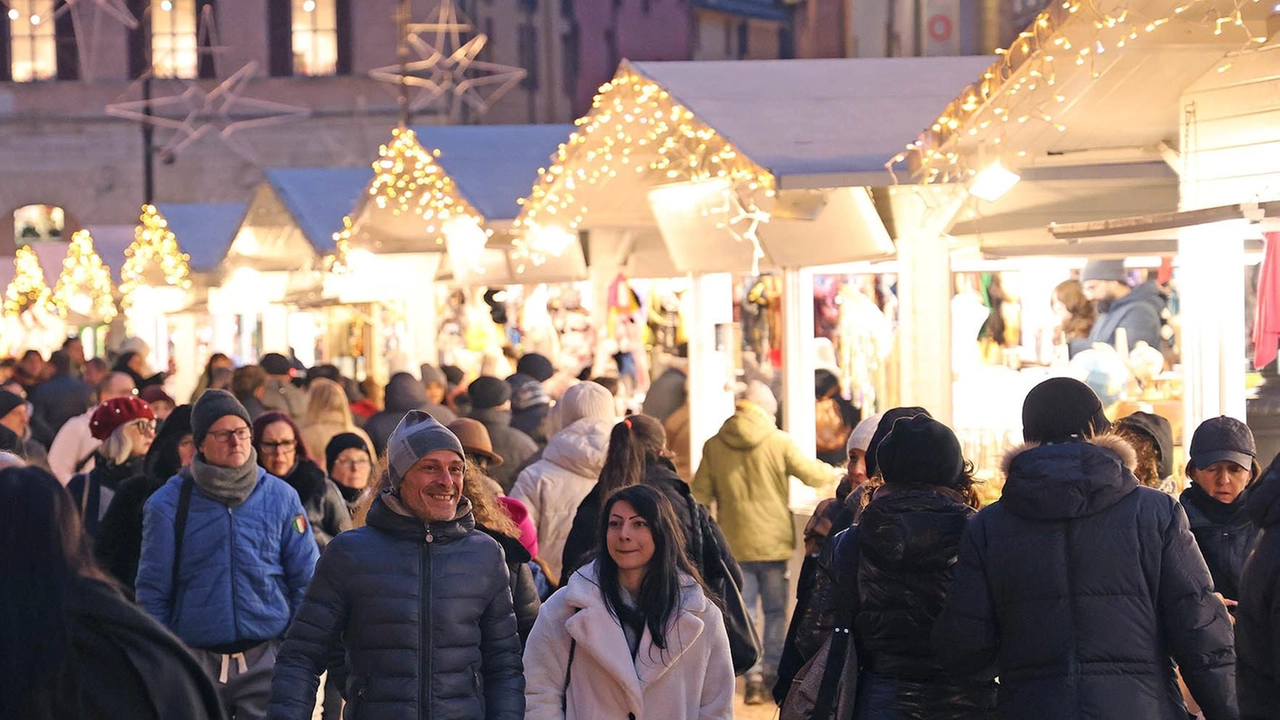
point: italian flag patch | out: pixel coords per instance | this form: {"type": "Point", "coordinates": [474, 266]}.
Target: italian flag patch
{"type": "Point", "coordinates": [300, 524]}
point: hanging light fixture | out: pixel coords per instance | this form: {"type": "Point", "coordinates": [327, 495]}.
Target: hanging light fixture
{"type": "Point", "coordinates": [993, 182]}
{"type": "Point", "coordinates": [465, 242]}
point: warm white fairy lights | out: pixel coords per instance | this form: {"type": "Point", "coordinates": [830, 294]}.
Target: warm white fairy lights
{"type": "Point", "coordinates": [84, 285]}
{"type": "Point", "coordinates": [154, 247]}
{"type": "Point", "coordinates": [27, 290]}
{"type": "Point", "coordinates": [409, 180]}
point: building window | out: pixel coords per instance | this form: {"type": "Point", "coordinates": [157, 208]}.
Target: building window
{"type": "Point", "coordinates": [174, 44]}
{"type": "Point", "coordinates": [528, 48]}
{"type": "Point", "coordinates": [315, 37]}
{"type": "Point", "coordinates": [33, 42]}
{"type": "Point", "coordinates": [744, 34]}
{"type": "Point", "coordinates": [38, 223]}
{"type": "Point", "coordinates": [569, 59]}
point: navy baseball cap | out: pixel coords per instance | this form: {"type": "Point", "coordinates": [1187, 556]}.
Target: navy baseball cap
{"type": "Point", "coordinates": [1223, 438]}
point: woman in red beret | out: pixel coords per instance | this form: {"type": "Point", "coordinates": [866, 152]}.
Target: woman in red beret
{"type": "Point", "coordinates": [126, 428]}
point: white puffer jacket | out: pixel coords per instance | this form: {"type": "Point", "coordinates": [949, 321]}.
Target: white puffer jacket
{"type": "Point", "coordinates": [553, 487]}
{"type": "Point", "coordinates": [691, 680]}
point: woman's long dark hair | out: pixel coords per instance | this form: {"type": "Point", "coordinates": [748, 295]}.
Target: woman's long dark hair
{"type": "Point", "coordinates": [42, 550]}
{"type": "Point", "coordinates": [659, 599]}
{"type": "Point", "coordinates": [208, 367]}
{"type": "Point", "coordinates": [634, 441]}
{"type": "Point", "coordinates": [163, 461]}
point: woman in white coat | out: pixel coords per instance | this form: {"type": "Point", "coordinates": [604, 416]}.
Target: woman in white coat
{"type": "Point", "coordinates": [634, 633]}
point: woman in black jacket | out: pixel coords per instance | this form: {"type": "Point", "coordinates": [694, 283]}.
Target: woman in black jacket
{"type": "Point", "coordinates": [908, 538]}
{"type": "Point", "coordinates": [282, 453]}
{"type": "Point", "coordinates": [492, 520]}
{"type": "Point", "coordinates": [1258, 615]}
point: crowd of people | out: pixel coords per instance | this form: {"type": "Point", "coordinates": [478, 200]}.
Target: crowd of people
{"type": "Point", "coordinates": [291, 543]}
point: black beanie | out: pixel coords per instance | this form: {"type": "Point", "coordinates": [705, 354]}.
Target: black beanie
{"type": "Point", "coordinates": [882, 430]}
{"type": "Point", "coordinates": [535, 366]}
{"type": "Point", "coordinates": [921, 450]}
{"type": "Point", "coordinates": [9, 401]}
{"type": "Point", "coordinates": [340, 442]}
{"type": "Point", "coordinates": [1061, 409]}
{"type": "Point", "coordinates": [212, 406]}
{"type": "Point", "coordinates": [488, 392]}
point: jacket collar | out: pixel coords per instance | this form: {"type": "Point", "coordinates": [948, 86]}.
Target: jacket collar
{"type": "Point", "coordinates": [403, 526]}
{"type": "Point", "coordinates": [600, 635]}
{"type": "Point", "coordinates": [1068, 480]}
{"type": "Point", "coordinates": [492, 416]}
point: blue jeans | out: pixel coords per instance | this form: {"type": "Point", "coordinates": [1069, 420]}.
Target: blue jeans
{"type": "Point", "coordinates": [767, 581]}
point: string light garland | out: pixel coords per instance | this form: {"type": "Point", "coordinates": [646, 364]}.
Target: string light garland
{"type": "Point", "coordinates": [1022, 86]}
{"type": "Point", "coordinates": [633, 126]}
{"type": "Point", "coordinates": [342, 245]}
{"type": "Point", "coordinates": [154, 245]}
{"type": "Point", "coordinates": [84, 285]}
{"type": "Point", "coordinates": [27, 290]}
{"type": "Point", "coordinates": [409, 180]}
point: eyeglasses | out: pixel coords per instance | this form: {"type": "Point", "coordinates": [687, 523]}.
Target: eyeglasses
{"type": "Point", "coordinates": [232, 436]}
{"type": "Point", "coordinates": [353, 464]}
{"type": "Point", "coordinates": [278, 448]}
{"type": "Point", "coordinates": [146, 427]}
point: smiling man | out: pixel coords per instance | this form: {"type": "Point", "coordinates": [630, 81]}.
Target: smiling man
{"type": "Point", "coordinates": [419, 603]}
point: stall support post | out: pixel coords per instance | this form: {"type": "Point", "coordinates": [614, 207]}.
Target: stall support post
{"type": "Point", "coordinates": [185, 356]}
{"type": "Point", "coordinates": [711, 358]}
{"type": "Point", "coordinates": [275, 330]}
{"type": "Point", "coordinates": [797, 356]}
{"type": "Point", "coordinates": [924, 321]}
{"type": "Point", "coordinates": [1211, 285]}
{"type": "Point", "coordinates": [420, 318]}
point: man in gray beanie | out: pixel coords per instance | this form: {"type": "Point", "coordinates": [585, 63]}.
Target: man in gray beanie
{"type": "Point", "coordinates": [1135, 309]}
{"type": "Point", "coordinates": [226, 556]}
{"type": "Point", "coordinates": [418, 603]}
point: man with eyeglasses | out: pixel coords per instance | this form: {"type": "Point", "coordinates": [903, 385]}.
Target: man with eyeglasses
{"type": "Point", "coordinates": [227, 553]}
{"type": "Point", "coordinates": [418, 602]}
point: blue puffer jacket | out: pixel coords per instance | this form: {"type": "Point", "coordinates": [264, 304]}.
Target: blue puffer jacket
{"type": "Point", "coordinates": [244, 569]}
{"type": "Point", "coordinates": [424, 615]}
{"type": "Point", "coordinates": [1083, 589]}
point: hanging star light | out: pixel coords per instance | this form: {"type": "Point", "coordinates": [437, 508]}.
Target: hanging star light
{"type": "Point", "coordinates": [195, 113]}
{"type": "Point", "coordinates": [745, 213]}
{"type": "Point", "coordinates": [409, 180]}
{"type": "Point", "coordinates": [448, 68]}
{"type": "Point", "coordinates": [154, 250]}
{"type": "Point", "coordinates": [84, 285]}
{"type": "Point", "coordinates": [117, 9]}
{"type": "Point", "coordinates": [27, 290]}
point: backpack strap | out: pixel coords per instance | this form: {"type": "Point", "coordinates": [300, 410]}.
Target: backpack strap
{"type": "Point", "coordinates": [180, 528]}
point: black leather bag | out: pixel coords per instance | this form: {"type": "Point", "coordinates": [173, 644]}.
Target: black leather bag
{"type": "Point", "coordinates": [744, 641]}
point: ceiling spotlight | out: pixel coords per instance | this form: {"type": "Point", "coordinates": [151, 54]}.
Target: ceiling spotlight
{"type": "Point", "coordinates": [993, 182]}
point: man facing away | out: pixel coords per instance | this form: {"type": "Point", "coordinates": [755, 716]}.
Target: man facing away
{"type": "Point", "coordinates": [73, 446]}
{"type": "Point", "coordinates": [419, 602]}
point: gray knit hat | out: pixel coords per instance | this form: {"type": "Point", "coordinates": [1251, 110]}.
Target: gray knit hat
{"type": "Point", "coordinates": [212, 406]}
{"type": "Point", "coordinates": [586, 400]}
{"type": "Point", "coordinates": [416, 435]}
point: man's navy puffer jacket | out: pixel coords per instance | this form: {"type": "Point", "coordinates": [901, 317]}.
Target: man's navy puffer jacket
{"type": "Point", "coordinates": [1084, 588]}
{"type": "Point", "coordinates": [424, 613]}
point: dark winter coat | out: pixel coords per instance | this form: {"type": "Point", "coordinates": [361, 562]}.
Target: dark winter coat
{"type": "Point", "coordinates": [119, 542]}
{"type": "Point", "coordinates": [94, 491]}
{"type": "Point", "coordinates": [1138, 313]}
{"type": "Point", "coordinates": [525, 599]}
{"type": "Point", "coordinates": [327, 511]}
{"type": "Point", "coordinates": [1079, 585]}
{"type": "Point", "coordinates": [1258, 615]}
{"type": "Point", "coordinates": [403, 393]}
{"type": "Point", "coordinates": [424, 614]}
{"type": "Point", "coordinates": [513, 446]}
{"type": "Point", "coordinates": [660, 474]}
{"type": "Point", "coordinates": [1225, 534]}
{"type": "Point", "coordinates": [121, 664]}
{"type": "Point", "coordinates": [56, 401]}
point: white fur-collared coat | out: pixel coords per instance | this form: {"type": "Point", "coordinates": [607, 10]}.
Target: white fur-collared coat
{"type": "Point", "coordinates": [691, 680]}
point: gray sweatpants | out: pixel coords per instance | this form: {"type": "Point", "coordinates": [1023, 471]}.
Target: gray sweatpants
{"type": "Point", "coordinates": [243, 680]}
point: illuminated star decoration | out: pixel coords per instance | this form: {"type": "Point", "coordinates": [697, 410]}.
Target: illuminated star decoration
{"type": "Point", "coordinates": [115, 8]}
{"type": "Point", "coordinates": [447, 67]}
{"type": "Point", "coordinates": [194, 113]}
{"type": "Point", "coordinates": [744, 213]}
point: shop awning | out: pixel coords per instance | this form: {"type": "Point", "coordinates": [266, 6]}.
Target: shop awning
{"type": "Point", "coordinates": [318, 198]}
{"type": "Point", "coordinates": [204, 230]}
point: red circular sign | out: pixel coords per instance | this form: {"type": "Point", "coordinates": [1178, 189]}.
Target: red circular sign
{"type": "Point", "coordinates": [940, 28]}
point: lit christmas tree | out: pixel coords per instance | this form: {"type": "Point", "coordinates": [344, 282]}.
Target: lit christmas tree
{"type": "Point", "coordinates": [84, 286]}
{"type": "Point", "coordinates": [28, 290]}
{"type": "Point", "coordinates": [154, 244]}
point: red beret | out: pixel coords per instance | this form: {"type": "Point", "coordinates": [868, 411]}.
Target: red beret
{"type": "Point", "coordinates": [115, 412]}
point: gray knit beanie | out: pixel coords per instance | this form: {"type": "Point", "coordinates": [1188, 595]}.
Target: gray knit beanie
{"type": "Point", "coordinates": [586, 400]}
{"type": "Point", "coordinates": [417, 434]}
{"type": "Point", "coordinates": [212, 406]}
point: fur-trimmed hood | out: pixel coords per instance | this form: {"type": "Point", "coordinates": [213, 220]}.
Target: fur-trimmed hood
{"type": "Point", "coordinates": [1068, 480]}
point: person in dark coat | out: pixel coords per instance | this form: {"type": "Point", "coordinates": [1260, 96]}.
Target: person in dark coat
{"type": "Point", "coordinates": [1222, 468]}
{"type": "Point", "coordinates": [126, 427]}
{"type": "Point", "coordinates": [1258, 614]}
{"type": "Point", "coordinates": [1151, 437]}
{"type": "Point", "coordinates": [282, 452]}
{"type": "Point", "coordinates": [493, 520]}
{"type": "Point", "coordinates": [74, 647]}
{"type": "Point", "coordinates": [134, 364]}
{"type": "Point", "coordinates": [491, 405]}
{"type": "Point", "coordinates": [417, 600]}
{"type": "Point", "coordinates": [119, 542]}
{"type": "Point", "coordinates": [908, 538]}
{"type": "Point", "coordinates": [530, 406]}
{"type": "Point", "coordinates": [58, 399]}
{"type": "Point", "coordinates": [403, 393]}
{"type": "Point", "coordinates": [1082, 588]}
{"type": "Point", "coordinates": [350, 466]}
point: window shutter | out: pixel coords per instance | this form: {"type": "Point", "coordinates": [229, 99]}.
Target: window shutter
{"type": "Point", "coordinates": [346, 43]}
{"type": "Point", "coordinates": [280, 37]}
{"type": "Point", "coordinates": [66, 55]}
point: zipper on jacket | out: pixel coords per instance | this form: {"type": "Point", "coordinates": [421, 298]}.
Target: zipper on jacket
{"type": "Point", "coordinates": [231, 549]}
{"type": "Point", "coordinates": [424, 626]}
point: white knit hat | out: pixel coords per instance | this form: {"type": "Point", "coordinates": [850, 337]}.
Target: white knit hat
{"type": "Point", "coordinates": [860, 438]}
{"type": "Point", "coordinates": [586, 400]}
{"type": "Point", "coordinates": [759, 394]}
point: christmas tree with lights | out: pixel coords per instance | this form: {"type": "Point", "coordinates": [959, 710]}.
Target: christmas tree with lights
{"type": "Point", "coordinates": [84, 286]}
{"type": "Point", "coordinates": [28, 290]}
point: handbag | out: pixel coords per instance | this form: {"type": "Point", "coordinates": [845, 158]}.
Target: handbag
{"type": "Point", "coordinates": [744, 641]}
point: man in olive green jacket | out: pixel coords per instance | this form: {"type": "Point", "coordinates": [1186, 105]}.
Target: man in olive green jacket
{"type": "Point", "coordinates": [744, 470]}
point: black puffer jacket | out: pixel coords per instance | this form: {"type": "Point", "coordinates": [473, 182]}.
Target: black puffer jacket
{"type": "Point", "coordinates": [372, 587]}
{"type": "Point", "coordinates": [524, 593]}
{"type": "Point", "coordinates": [94, 491]}
{"type": "Point", "coordinates": [1079, 585]}
{"type": "Point", "coordinates": [1258, 616]}
{"type": "Point", "coordinates": [909, 537]}
{"type": "Point", "coordinates": [326, 509]}
{"type": "Point", "coordinates": [1225, 534]}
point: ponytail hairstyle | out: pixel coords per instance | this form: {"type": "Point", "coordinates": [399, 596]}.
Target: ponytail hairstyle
{"type": "Point", "coordinates": [634, 442]}
{"type": "Point", "coordinates": [659, 598]}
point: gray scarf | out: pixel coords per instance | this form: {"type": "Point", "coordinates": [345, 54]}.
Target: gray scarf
{"type": "Point", "coordinates": [229, 486]}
